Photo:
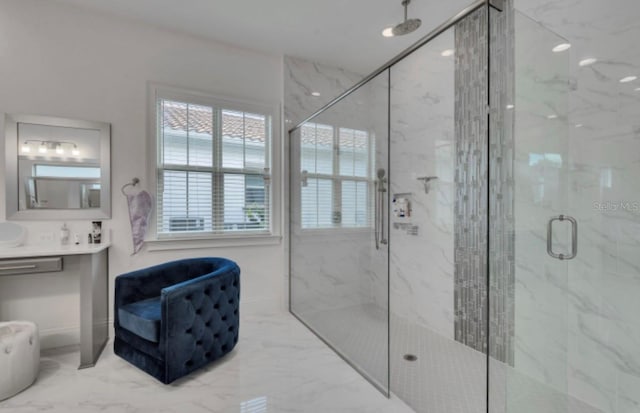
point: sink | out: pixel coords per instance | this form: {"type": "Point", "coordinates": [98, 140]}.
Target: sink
{"type": "Point", "coordinates": [11, 235]}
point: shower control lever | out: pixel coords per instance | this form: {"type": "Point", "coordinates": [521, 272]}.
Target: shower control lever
{"type": "Point", "coordinates": [426, 181]}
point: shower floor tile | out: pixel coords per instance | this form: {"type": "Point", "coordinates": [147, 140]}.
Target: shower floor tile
{"type": "Point", "coordinates": [447, 377]}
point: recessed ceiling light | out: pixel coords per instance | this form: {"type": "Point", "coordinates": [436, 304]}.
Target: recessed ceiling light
{"type": "Point", "coordinates": [388, 32]}
{"type": "Point", "coordinates": [447, 53]}
{"type": "Point", "coordinates": [561, 47]}
{"type": "Point", "coordinates": [510, 107]}
{"type": "Point", "coordinates": [628, 79]}
{"type": "Point", "coordinates": [316, 94]}
{"type": "Point", "coordinates": [587, 62]}
{"type": "Point", "coordinates": [552, 117]}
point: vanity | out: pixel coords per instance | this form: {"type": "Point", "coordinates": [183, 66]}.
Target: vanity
{"type": "Point", "coordinates": [58, 170]}
{"type": "Point", "coordinates": [90, 263]}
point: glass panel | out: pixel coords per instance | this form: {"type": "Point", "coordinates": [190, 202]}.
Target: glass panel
{"type": "Point", "coordinates": [232, 139]}
{"type": "Point", "coordinates": [529, 161]}
{"type": "Point", "coordinates": [174, 133]}
{"type": "Point", "coordinates": [200, 141]}
{"type": "Point", "coordinates": [339, 279]}
{"type": "Point", "coordinates": [438, 222]}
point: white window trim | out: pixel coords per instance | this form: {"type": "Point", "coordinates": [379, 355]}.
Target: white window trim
{"type": "Point", "coordinates": [183, 241]}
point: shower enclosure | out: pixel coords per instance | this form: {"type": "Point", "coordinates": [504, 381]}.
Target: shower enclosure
{"type": "Point", "coordinates": [440, 237]}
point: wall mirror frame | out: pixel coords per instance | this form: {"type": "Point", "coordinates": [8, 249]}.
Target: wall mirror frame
{"type": "Point", "coordinates": [17, 207]}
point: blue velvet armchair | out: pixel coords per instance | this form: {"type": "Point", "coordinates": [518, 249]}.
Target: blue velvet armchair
{"type": "Point", "coordinates": [174, 318]}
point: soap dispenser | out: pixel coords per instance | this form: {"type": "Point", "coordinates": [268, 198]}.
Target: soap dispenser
{"type": "Point", "coordinates": [64, 234]}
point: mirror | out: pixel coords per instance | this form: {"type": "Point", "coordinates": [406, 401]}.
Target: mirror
{"type": "Point", "coordinates": [57, 168]}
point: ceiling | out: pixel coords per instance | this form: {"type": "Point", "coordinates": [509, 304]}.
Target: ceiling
{"type": "Point", "coordinates": [343, 33]}
{"type": "Point", "coordinates": [347, 33]}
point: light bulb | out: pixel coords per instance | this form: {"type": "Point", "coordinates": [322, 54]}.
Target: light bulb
{"type": "Point", "coordinates": [42, 149]}
{"type": "Point", "coordinates": [59, 150]}
{"type": "Point", "coordinates": [26, 148]}
{"type": "Point", "coordinates": [388, 32]}
{"type": "Point", "coordinates": [447, 53]}
{"type": "Point", "coordinates": [561, 47]}
{"type": "Point", "coordinates": [587, 62]}
{"type": "Point", "coordinates": [75, 151]}
{"type": "Point", "coordinates": [315, 94]}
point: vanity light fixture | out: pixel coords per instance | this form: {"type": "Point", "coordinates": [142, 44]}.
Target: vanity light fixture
{"type": "Point", "coordinates": [561, 47]}
{"type": "Point", "coordinates": [628, 79]}
{"type": "Point", "coordinates": [45, 146]}
{"type": "Point", "coordinates": [587, 62]}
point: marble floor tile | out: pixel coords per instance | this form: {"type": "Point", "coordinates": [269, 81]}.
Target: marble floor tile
{"type": "Point", "coordinates": [278, 366]}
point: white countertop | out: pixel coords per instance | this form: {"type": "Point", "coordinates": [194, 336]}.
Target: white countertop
{"type": "Point", "coordinates": [46, 251]}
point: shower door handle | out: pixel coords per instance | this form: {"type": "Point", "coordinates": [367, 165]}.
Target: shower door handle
{"type": "Point", "coordinates": [574, 237]}
{"type": "Point", "coordinates": [378, 208]}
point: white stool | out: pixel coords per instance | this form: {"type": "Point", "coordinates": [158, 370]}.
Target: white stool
{"type": "Point", "coordinates": [19, 356]}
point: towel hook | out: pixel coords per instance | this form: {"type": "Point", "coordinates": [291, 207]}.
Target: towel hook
{"type": "Point", "coordinates": [133, 183]}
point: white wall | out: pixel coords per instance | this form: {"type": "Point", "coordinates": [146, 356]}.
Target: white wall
{"type": "Point", "coordinates": [62, 61]}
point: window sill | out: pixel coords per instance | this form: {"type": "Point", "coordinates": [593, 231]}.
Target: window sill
{"type": "Point", "coordinates": [168, 244]}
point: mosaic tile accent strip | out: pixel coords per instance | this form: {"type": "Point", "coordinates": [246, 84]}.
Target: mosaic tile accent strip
{"type": "Point", "coordinates": [501, 185]}
{"type": "Point", "coordinates": [481, 173]}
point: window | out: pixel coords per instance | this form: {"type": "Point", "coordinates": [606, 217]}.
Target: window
{"type": "Point", "coordinates": [335, 165]}
{"type": "Point", "coordinates": [213, 173]}
{"type": "Point", "coordinates": [62, 171]}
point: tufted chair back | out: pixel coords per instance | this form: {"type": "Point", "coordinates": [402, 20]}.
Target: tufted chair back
{"type": "Point", "coordinates": [194, 304]}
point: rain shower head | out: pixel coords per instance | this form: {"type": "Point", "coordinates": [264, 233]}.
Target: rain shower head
{"type": "Point", "coordinates": [406, 27]}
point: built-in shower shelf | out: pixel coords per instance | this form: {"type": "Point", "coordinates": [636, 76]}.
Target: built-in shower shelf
{"type": "Point", "coordinates": [406, 226]}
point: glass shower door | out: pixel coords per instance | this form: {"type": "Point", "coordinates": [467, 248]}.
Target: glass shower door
{"type": "Point", "coordinates": [532, 236]}
{"type": "Point", "coordinates": [339, 234]}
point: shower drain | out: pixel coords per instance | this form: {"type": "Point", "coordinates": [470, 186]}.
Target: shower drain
{"type": "Point", "coordinates": [410, 357]}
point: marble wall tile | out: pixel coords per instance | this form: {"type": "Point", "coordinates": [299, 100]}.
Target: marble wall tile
{"type": "Point", "coordinates": [601, 131]}
{"type": "Point", "coordinates": [302, 78]}
{"type": "Point", "coordinates": [422, 144]}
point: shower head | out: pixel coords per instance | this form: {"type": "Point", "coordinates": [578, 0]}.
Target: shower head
{"type": "Point", "coordinates": [406, 27]}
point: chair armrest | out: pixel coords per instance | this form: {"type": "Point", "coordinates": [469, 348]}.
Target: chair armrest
{"type": "Point", "coordinates": [200, 319]}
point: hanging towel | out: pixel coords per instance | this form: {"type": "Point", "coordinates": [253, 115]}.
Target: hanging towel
{"type": "Point", "coordinates": [140, 206]}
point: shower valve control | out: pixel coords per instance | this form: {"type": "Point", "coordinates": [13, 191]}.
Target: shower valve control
{"type": "Point", "coordinates": [401, 207]}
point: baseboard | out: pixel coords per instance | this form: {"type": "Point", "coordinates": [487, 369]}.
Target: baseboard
{"type": "Point", "coordinates": [59, 337]}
